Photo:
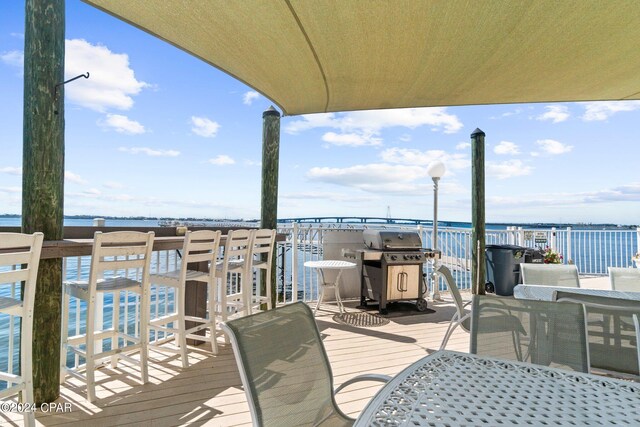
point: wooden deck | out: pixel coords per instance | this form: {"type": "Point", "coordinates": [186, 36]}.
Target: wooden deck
{"type": "Point", "coordinates": [210, 393]}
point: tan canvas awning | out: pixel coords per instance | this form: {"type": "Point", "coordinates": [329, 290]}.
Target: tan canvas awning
{"type": "Point", "coordinates": [319, 55]}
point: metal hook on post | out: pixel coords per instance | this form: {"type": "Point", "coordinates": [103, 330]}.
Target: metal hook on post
{"type": "Point", "coordinates": [55, 89]}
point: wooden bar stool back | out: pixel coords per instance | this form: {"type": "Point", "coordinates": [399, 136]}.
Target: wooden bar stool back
{"type": "Point", "coordinates": [234, 273]}
{"type": "Point", "coordinates": [262, 257]}
{"type": "Point", "coordinates": [200, 247]}
{"type": "Point", "coordinates": [119, 262]}
{"type": "Point", "coordinates": [20, 265]}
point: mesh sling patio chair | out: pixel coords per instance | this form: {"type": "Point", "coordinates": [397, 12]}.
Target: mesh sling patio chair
{"type": "Point", "coordinates": [284, 369]}
{"type": "Point", "coordinates": [550, 275]}
{"type": "Point", "coordinates": [613, 332]}
{"type": "Point", "coordinates": [460, 318]}
{"type": "Point", "coordinates": [552, 334]}
{"type": "Point", "coordinates": [624, 279]}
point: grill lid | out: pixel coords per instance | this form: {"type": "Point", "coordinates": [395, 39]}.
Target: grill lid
{"type": "Point", "coordinates": [391, 240]}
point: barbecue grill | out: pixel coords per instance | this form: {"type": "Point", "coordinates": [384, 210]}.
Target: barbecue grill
{"type": "Point", "coordinates": [391, 267]}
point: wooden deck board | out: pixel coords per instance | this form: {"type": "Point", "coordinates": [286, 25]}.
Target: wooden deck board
{"type": "Point", "coordinates": [209, 392]}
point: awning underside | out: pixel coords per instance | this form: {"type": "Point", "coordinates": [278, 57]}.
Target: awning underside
{"type": "Point", "coordinates": [342, 55]}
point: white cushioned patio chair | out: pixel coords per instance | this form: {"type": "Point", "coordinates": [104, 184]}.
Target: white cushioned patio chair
{"type": "Point", "coordinates": [199, 247]}
{"type": "Point", "coordinates": [624, 279]}
{"type": "Point", "coordinates": [284, 369]}
{"type": "Point", "coordinates": [552, 334]}
{"type": "Point", "coordinates": [550, 275]}
{"type": "Point", "coordinates": [18, 265]}
{"type": "Point", "coordinates": [119, 263]}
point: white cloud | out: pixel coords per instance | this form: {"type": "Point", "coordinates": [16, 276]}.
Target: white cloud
{"type": "Point", "coordinates": [376, 177]}
{"type": "Point", "coordinates": [222, 160]}
{"type": "Point", "coordinates": [17, 35]}
{"type": "Point", "coordinates": [204, 127]}
{"type": "Point", "coordinates": [368, 124]}
{"type": "Point", "coordinates": [122, 124]}
{"type": "Point", "coordinates": [624, 193]}
{"type": "Point", "coordinates": [112, 82]}
{"type": "Point", "coordinates": [598, 111]}
{"type": "Point", "coordinates": [506, 147]}
{"type": "Point", "coordinates": [150, 151]}
{"type": "Point", "coordinates": [13, 190]}
{"type": "Point", "coordinates": [11, 170]}
{"type": "Point", "coordinates": [331, 196]}
{"type": "Point", "coordinates": [72, 177]}
{"type": "Point", "coordinates": [404, 137]}
{"type": "Point", "coordinates": [249, 97]}
{"type": "Point", "coordinates": [553, 147]}
{"type": "Point", "coordinates": [463, 145]}
{"type": "Point", "coordinates": [113, 185]}
{"type": "Point", "coordinates": [249, 162]}
{"type": "Point", "coordinates": [350, 139]}
{"type": "Point", "coordinates": [508, 169]}
{"type": "Point", "coordinates": [15, 58]}
{"type": "Point", "coordinates": [410, 156]}
{"type": "Point", "coordinates": [554, 113]}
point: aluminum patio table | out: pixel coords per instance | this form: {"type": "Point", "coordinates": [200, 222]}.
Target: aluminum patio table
{"type": "Point", "coordinates": [455, 389]}
{"type": "Point", "coordinates": [328, 264]}
{"type": "Point", "coordinates": [545, 293]}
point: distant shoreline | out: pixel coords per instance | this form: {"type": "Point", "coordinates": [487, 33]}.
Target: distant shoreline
{"type": "Point", "coordinates": [441, 222]}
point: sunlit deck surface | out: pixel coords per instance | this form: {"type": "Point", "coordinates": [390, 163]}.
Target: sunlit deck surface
{"type": "Point", "coordinates": [209, 392]}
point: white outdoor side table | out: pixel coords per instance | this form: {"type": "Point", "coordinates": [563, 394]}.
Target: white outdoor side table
{"type": "Point", "coordinates": [320, 267]}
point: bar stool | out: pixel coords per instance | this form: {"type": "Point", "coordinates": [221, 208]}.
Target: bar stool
{"type": "Point", "coordinates": [121, 255]}
{"type": "Point", "coordinates": [22, 265]}
{"type": "Point", "coordinates": [234, 273]}
{"type": "Point", "coordinates": [199, 246]}
{"type": "Point", "coordinates": [262, 257]}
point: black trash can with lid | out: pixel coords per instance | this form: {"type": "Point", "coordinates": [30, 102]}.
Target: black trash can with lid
{"type": "Point", "coordinates": [503, 267]}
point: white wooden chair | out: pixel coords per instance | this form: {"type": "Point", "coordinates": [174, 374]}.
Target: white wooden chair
{"type": "Point", "coordinates": [235, 274]}
{"type": "Point", "coordinates": [550, 275]}
{"type": "Point", "coordinates": [624, 279]}
{"type": "Point", "coordinates": [20, 265]}
{"type": "Point", "coordinates": [119, 262]}
{"type": "Point", "coordinates": [262, 255]}
{"type": "Point", "coordinates": [199, 247]}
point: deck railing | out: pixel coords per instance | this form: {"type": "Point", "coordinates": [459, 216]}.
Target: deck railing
{"type": "Point", "coordinates": [591, 250]}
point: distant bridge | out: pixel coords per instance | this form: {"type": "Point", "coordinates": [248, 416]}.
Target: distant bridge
{"type": "Point", "coordinates": [358, 220]}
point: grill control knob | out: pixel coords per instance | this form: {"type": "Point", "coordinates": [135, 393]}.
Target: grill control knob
{"type": "Point", "coordinates": [393, 257]}
{"type": "Point", "coordinates": [407, 256]}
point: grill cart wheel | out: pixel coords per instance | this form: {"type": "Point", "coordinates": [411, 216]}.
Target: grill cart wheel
{"type": "Point", "coordinates": [421, 304]}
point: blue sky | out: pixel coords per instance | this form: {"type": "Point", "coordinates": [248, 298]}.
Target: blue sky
{"type": "Point", "coordinates": [156, 132]}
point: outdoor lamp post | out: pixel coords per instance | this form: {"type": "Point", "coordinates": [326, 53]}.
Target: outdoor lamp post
{"type": "Point", "coordinates": [435, 170]}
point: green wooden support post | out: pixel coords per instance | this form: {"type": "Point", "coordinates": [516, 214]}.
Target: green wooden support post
{"type": "Point", "coordinates": [478, 275]}
{"type": "Point", "coordinates": [269, 199]}
{"type": "Point", "coordinates": [43, 178]}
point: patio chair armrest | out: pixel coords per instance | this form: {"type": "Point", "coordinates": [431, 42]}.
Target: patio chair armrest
{"type": "Point", "coordinates": [466, 303]}
{"type": "Point", "coordinates": [365, 377]}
